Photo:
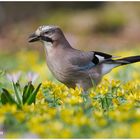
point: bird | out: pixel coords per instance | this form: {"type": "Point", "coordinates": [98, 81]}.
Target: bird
{"type": "Point", "coordinates": [72, 67]}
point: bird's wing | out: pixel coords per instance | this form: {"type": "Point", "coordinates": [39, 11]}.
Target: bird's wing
{"type": "Point", "coordinates": [99, 57]}
{"type": "Point", "coordinates": [86, 60]}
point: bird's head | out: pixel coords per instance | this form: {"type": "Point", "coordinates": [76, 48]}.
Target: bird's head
{"type": "Point", "coordinates": [46, 34]}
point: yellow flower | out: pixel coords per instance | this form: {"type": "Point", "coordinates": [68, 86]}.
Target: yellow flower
{"type": "Point", "coordinates": [80, 120]}
{"type": "Point", "coordinates": [135, 96]}
{"type": "Point", "coordinates": [92, 94]}
{"type": "Point", "coordinates": [103, 89]}
{"type": "Point", "coordinates": [76, 92]}
{"type": "Point", "coordinates": [99, 118]}
{"type": "Point", "coordinates": [120, 115]}
{"type": "Point", "coordinates": [48, 84]}
{"type": "Point", "coordinates": [57, 126]}
{"type": "Point", "coordinates": [101, 134]}
{"type": "Point", "coordinates": [95, 104]}
{"type": "Point", "coordinates": [8, 109]}
{"type": "Point", "coordinates": [51, 111]}
{"type": "Point", "coordinates": [135, 130]}
{"type": "Point", "coordinates": [101, 122]}
{"type": "Point", "coordinates": [28, 108]}
{"type": "Point", "coordinates": [66, 115]}
{"type": "Point", "coordinates": [74, 100]}
{"type": "Point", "coordinates": [121, 131]}
{"type": "Point", "coordinates": [20, 115]}
{"type": "Point", "coordinates": [37, 128]}
{"type": "Point", "coordinates": [40, 95]}
{"type": "Point", "coordinates": [2, 118]}
{"type": "Point", "coordinates": [66, 133]}
{"type": "Point", "coordinates": [98, 114]}
{"type": "Point", "coordinates": [115, 101]}
{"type": "Point", "coordinates": [137, 113]}
{"type": "Point", "coordinates": [115, 83]}
{"type": "Point", "coordinates": [120, 93]}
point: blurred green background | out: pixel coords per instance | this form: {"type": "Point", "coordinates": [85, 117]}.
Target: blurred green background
{"type": "Point", "coordinates": [111, 27]}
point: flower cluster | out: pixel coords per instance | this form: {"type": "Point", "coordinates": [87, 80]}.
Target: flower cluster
{"type": "Point", "coordinates": [108, 111]}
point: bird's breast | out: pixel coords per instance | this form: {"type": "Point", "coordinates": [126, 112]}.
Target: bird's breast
{"type": "Point", "coordinates": [58, 66]}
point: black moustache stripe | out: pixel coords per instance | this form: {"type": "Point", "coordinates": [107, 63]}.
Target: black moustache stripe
{"type": "Point", "coordinates": [46, 39]}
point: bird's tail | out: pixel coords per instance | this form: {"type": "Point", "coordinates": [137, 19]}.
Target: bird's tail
{"type": "Point", "coordinates": [110, 64]}
{"type": "Point", "coordinates": [128, 60]}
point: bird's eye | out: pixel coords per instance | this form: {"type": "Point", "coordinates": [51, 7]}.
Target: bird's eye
{"type": "Point", "coordinates": [47, 32]}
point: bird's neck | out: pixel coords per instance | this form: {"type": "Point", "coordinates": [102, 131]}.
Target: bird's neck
{"type": "Point", "coordinates": [61, 44]}
{"type": "Point", "coordinates": [48, 47]}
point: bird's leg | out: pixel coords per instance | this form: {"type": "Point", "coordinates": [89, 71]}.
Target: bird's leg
{"type": "Point", "coordinates": [86, 92]}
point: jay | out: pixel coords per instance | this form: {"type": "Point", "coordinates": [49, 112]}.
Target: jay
{"type": "Point", "coordinates": [75, 67]}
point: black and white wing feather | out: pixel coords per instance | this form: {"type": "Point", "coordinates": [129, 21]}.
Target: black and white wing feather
{"type": "Point", "coordinates": [99, 57]}
{"type": "Point", "coordinates": [87, 60]}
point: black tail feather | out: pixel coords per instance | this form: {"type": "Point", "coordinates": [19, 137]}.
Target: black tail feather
{"type": "Point", "coordinates": [128, 60]}
{"type": "Point", "coordinates": [109, 64]}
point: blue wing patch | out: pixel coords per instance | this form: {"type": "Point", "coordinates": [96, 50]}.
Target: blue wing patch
{"type": "Point", "coordinates": [88, 66]}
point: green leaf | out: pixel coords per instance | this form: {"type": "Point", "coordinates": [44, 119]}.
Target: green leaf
{"type": "Point", "coordinates": [32, 97]}
{"type": "Point", "coordinates": [28, 89]}
{"type": "Point", "coordinates": [2, 72]}
{"type": "Point", "coordinates": [6, 97]}
{"type": "Point", "coordinates": [18, 92]}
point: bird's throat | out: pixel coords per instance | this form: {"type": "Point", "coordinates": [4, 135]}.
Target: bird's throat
{"type": "Point", "coordinates": [48, 46]}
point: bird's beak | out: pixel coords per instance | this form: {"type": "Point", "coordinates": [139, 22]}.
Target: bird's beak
{"type": "Point", "coordinates": [33, 37]}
